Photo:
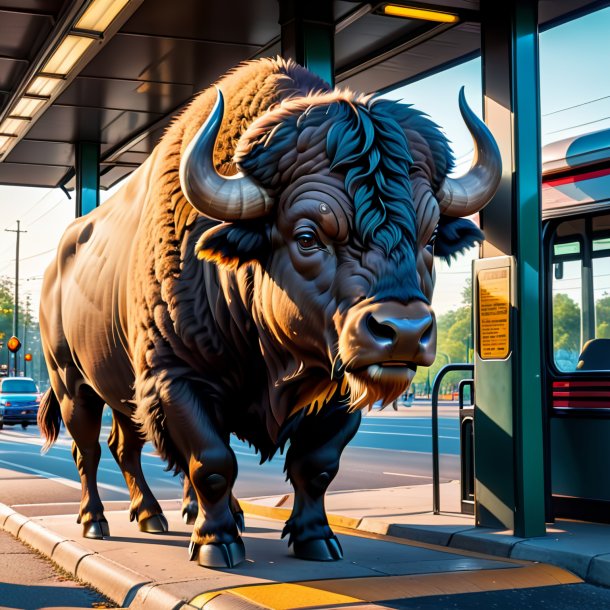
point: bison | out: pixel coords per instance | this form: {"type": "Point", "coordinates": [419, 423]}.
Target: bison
{"type": "Point", "coordinates": [267, 272]}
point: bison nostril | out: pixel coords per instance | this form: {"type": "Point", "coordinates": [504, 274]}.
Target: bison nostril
{"type": "Point", "coordinates": [384, 333]}
{"type": "Point", "coordinates": [427, 334]}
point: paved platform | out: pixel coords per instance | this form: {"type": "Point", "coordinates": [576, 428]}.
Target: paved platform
{"type": "Point", "coordinates": [390, 552]}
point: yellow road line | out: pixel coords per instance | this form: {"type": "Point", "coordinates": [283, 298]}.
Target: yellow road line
{"type": "Point", "coordinates": [336, 592]}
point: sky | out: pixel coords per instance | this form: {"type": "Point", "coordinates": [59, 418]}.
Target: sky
{"type": "Point", "coordinates": [575, 98]}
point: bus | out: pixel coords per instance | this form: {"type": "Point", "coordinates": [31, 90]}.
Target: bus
{"type": "Point", "coordinates": [576, 328]}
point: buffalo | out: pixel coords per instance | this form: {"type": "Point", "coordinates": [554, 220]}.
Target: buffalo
{"type": "Point", "coordinates": [267, 272]}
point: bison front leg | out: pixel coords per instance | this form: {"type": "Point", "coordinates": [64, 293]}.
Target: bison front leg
{"type": "Point", "coordinates": [205, 455]}
{"type": "Point", "coordinates": [312, 463]}
{"type": "Point", "coordinates": [190, 506]}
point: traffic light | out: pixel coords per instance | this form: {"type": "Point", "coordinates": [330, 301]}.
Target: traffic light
{"type": "Point", "coordinates": [28, 357]}
{"type": "Point", "coordinates": [13, 344]}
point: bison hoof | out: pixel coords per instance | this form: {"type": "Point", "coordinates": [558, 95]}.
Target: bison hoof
{"type": "Point", "coordinates": [215, 555]}
{"type": "Point", "coordinates": [322, 549]}
{"type": "Point", "coordinates": [240, 521]}
{"type": "Point", "coordinates": [156, 524]}
{"type": "Point", "coordinates": [189, 513]}
{"type": "Point", "coordinates": [96, 529]}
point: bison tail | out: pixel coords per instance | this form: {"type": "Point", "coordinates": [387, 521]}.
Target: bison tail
{"type": "Point", "coordinates": [49, 419]}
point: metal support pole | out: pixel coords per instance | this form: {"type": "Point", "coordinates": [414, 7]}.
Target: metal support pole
{"type": "Point", "coordinates": [512, 421]}
{"type": "Point", "coordinates": [16, 306]}
{"type": "Point", "coordinates": [308, 34]}
{"type": "Point", "coordinates": [87, 177]}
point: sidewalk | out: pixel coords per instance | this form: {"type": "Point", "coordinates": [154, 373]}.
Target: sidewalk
{"type": "Point", "coordinates": [389, 551]}
{"type": "Point", "coordinates": [31, 582]}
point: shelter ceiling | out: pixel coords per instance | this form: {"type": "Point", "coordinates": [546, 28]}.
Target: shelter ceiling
{"type": "Point", "coordinates": [164, 53]}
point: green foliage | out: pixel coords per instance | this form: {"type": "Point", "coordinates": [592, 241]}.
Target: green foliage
{"type": "Point", "coordinates": [6, 309]}
{"type": "Point", "coordinates": [467, 292]}
{"type": "Point", "coordinates": [602, 317]}
{"type": "Point", "coordinates": [454, 344]}
{"type": "Point", "coordinates": [29, 333]}
{"type": "Point", "coordinates": [566, 324]}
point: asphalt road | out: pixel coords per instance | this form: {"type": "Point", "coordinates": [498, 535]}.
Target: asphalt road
{"type": "Point", "coordinates": [389, 450]}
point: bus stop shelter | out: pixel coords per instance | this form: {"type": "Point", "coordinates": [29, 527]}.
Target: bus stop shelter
{"type": "Point", "coordinates": [88, 86]}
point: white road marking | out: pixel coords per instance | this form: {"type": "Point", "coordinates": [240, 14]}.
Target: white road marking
{"type": "Point", "coordinates": [62, 480]}
{"type": "Point", "coordinates": [351, 448]}
{"type": "Point", "coordinates": [453, 438]}
{"type": "Point", "coordinates": [402, 474]}
{"type": "Point", "coordinates": [33, 440]}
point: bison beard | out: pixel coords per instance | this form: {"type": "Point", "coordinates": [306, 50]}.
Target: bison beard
{"type": "Point", "coordinates": [266, 272]}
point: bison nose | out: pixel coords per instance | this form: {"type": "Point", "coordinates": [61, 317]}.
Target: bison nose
{"type": "Point", "coordinates": [392, 331]}
{"type": "Point", "coordinates": [403, 333]}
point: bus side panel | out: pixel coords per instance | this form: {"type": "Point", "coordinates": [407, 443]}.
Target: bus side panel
{"type": "Point", "coordinates": [580, 457]}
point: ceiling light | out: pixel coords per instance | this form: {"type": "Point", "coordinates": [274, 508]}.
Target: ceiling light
{"type": "Point", "coordinates": [74, 43]}
{"type": "Point", "coordinates": [27, 107]}
{"type": "Point", "coordinates": [67, 54]}
{"type": "Point", "coordinates": [6, 142]}
{"type": "Point", "coordinates": [12, 126]}
{"type": "Point", "coordinates": [45, 85]}
{"type": "Point", "coordinates": [408, 12]}
{"type": "Point", "coordinates": [100, 14]}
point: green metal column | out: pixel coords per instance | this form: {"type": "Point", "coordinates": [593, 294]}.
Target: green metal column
{"type": "Point", "coordinates": [308, 34]}
{"type": "Point", "coordinates": [87, 177]}
{"type": "Point", "coordinates": [509, 452]}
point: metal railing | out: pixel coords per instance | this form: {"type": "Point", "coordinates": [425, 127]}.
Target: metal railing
{"type": "Point", "coordinates": [436, 486]}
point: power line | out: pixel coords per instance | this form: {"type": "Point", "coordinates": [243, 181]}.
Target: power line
{"type": "Point", "coordinates": [26, 258]}
{"type": "Point", "coordinates": [599, 99]}
{"type": "Point", "coordinates": [44, 214]}
{"type": "Point", "coordinates": [37, 203]}
{"type": "Point", "coordinates": [579, 125]}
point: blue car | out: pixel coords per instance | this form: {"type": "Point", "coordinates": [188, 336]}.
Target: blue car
{"type": "Point", "coordinates": [19, 401]}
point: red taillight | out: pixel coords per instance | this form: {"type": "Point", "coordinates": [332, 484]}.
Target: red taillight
{"type": "Point", "coordinates": [7, 404]}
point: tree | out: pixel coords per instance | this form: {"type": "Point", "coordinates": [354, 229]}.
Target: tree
{"type": "Point", "coordinates": [566, 324]}
{"type": "Point", "coordinates": [6, 316]}
{"type": "Point", "coordinates": [602, 317]}
{"type": "Point", "coordinates": [454, 338]}
{"type": "Point", "coordinates": [28, 333]}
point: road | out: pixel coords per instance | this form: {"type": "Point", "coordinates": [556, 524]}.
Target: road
{"type": "Point", "coordinates": [390, 449]}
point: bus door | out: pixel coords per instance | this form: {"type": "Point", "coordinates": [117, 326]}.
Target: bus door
{"type": "Point", "coordinates": [577, 363]}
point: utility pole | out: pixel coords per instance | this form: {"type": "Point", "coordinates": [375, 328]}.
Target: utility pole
{"type": "Point", "coordinates": [25, 346]}
{"type": "Point", "coordinates": [16, 306]}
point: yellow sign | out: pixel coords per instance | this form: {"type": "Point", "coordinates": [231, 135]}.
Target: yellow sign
{"type": "Point", "coordinates": [494, 313]}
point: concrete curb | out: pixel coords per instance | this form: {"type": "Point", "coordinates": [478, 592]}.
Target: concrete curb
{"type": "Point", "coordinates": [122, 585]}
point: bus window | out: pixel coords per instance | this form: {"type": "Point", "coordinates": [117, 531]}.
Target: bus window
{"type": "Point", "coordinates": [580, 277]}
{"type": "Point", "coordinates": [567, 306]}
{"type": "Point", "coordinates": [601, 286]}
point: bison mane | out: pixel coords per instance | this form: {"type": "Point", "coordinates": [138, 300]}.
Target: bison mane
{"type": "Point", "coordinates": [368, 140]}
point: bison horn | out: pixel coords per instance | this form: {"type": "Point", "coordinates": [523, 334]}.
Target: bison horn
{"type": "Point", "coordinates": [224, 198]}
{"type": "Point", "coordinates": [471, 192]}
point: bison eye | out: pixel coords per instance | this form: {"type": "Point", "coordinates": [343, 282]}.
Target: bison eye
{"type": "Point", "coordinates": [307, 240]}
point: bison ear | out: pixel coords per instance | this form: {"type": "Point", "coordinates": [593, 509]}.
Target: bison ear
{"type": "Point", "coordinates": [232, 244]}
{"type": "Point", "coordinates": [454, 236]}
